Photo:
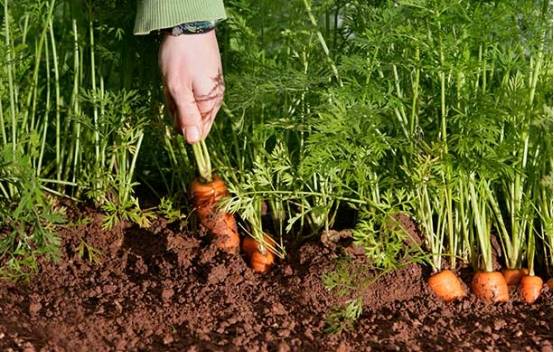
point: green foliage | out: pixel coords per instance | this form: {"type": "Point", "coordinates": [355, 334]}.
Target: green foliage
{"type": "Point", "coordinates": [88, 252]}
{"type": "Point", "coordinates": [375, 106]}
{"type": "Point", "coordinates": [343, 318]}
{"type": "Point", "coordinates": [27, 218]}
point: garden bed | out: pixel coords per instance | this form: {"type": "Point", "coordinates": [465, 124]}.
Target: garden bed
{"type": "Point", "coordinates": [159, 289]}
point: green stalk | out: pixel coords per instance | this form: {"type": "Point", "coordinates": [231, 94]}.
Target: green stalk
{"type": "Point", "coordinates": [95, 108]}
{"type": "Point", "coordinates": [414, 121]}
{"type": "Point", "coordinates": [130, 173]}
{"type": "Point", "coordinates": [531, 251]}
{"type": "Point", "coordinates": [32, 97]}
{"type": "Point", "coordinates": [58, 101]}
{"type": "Point", "coordinates": [448, 171]}
{"type": "Point", "coordinates": [9, 68]}
{"type": "Point", "coordinates": [203, 162]}
{"type": "Point", "coordinates": [322, 42]}
{"type": "Point", "coordinates": [480, 216]}
{"type": "Point", "coordinates": [75, 100]}
{"type": "Point", "coordinates": [46, 111]}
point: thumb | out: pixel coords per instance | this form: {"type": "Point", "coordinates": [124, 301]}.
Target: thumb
{"type": "Point", "coordinates": [189, 118]}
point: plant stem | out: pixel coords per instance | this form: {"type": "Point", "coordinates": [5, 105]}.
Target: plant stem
{"type": "Point", "coordinates": [203, 162]}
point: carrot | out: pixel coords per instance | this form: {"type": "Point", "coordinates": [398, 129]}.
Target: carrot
{"type": "Point", "coordinates": [261, 262]}
{"type": "Point", "coordinates": [220, 224]}
{"type": "Point", "coordinates": [206, 195]}
{"type": "Point", "coordinates": [530, 288]}
{"type": "Point", "coordinates": [206, 191]}
{"type": "Point", "coordinates": [446, 285]}
{"type": "Point", "coordinates": [249, 246]}
{"type": "Point", "coordinates": [261, 259]}
{"type": "Point", "coordinates": [513, 276]}
{"type": "Point", "coordinates": [549, 283]}
{"type": "Point", "coordinates": [490, 286]}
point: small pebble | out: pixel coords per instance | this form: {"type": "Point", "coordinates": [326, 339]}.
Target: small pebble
{"type": "Point", "coordinates": [167, 293]}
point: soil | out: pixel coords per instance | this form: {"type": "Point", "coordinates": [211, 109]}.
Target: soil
{"type": "Point", "coordinates": [159, 289]}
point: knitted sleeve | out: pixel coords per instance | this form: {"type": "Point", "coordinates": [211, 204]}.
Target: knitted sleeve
{"type": "Point", "coordinates": [157, 14]}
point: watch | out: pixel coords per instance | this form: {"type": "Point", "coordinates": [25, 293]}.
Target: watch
{"type": "Point", "coordinates": [195, 27]}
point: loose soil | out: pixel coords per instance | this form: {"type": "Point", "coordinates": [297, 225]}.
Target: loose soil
{"type": "Point", "coordinates": [158, 289]}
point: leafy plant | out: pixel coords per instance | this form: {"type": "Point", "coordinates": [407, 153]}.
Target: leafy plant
{"type": "Point", "coordinates": [343, 318]}
{"type": "Point", "coordinates": [27, 219]}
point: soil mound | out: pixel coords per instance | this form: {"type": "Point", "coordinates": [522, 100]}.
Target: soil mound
{"type": "Point", "coordinates": [158, 289]}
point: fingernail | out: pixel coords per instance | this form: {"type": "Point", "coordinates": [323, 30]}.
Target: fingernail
{"type": "Point", "coordinates": [192, 134]}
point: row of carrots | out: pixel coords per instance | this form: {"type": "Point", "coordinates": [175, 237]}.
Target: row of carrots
{"type": "Point", "coordinates": [490, 286]}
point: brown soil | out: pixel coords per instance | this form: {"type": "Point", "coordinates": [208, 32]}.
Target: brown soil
{"type": "Point", "coordinates": [158, 289]}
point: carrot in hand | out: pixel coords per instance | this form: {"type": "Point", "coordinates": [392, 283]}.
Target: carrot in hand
{"type": "Point", "coordinates": [446, 285]}
{"type": "Point", "coordinates": [490, 286]}
{"type": "Point", "coordinates": [207, 191]}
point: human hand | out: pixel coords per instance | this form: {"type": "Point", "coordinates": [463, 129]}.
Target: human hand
{"type": "Point", "coordinates": [193, 81]}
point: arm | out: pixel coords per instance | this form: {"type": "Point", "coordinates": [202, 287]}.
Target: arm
{"type": "Point", "coordinates": [190, 63]}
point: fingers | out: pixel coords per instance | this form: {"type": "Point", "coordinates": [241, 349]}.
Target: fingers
{"type": "Point", "coordinates": [184, 110]}
{"type": "Point", "coordinates": [209, 97]}
{"type": "Point", "coordinates": [190, 119]}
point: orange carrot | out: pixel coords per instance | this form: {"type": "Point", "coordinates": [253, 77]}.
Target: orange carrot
{"type": "Point", "coordinates": [261, 259]}
{"type": "Point", "coordinates": [249, 246]}
{"type": "Point", "coordinates": [490, 286]}
{"type": "Point", "coordinates": [513, 276]}
{"type": "Point", "coordinates": [220, 224]}
{"type": "Point", "coordinates": [530, 288]}
{"type": "Point", "coordinates": [446, 285]}
{"type": "Point", "coordinates": [261, 262]}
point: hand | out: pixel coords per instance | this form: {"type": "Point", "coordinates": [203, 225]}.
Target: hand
{"type": "Point", "coordinates": [193, 81]}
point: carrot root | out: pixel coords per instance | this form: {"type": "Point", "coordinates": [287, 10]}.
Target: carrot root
{"type": "Point", "coordinates": [513, 276]}
{"type": "Point", "coordinates": [447, 286]}
{"type": "Point", "coordinates": [530, 288]}
{"type": "Point", "coordinates": [490, 286]}
{"type": "Point", "coordinates": [221, 225]}
{"type": "Point", "coordinates": [260, 261]}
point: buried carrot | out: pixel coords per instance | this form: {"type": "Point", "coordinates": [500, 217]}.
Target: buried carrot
{"type": "Point", "coordinates": [259, 248]}
{"type": "Point", "coordinates": [530, 285]}
{"type": "Point", "coordinates": [446, 285]}
{"type": "Point", "coordinates": [530, 288]}
{"type": "Point", "coordinates": [261, 259]}
{"type": "Point", "coordinates": [490, 286]}
{"type": "Point", "coordinates": [513, 276]}
{"type": "Point", "coordinates": [207, 191]}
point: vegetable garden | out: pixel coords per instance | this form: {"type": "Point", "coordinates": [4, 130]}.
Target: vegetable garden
{"type": "Point", "coordinates": [378, 178]}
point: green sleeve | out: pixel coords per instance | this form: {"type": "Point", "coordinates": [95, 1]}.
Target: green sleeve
{"type": "Point", "coordinates": [157, 14]}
